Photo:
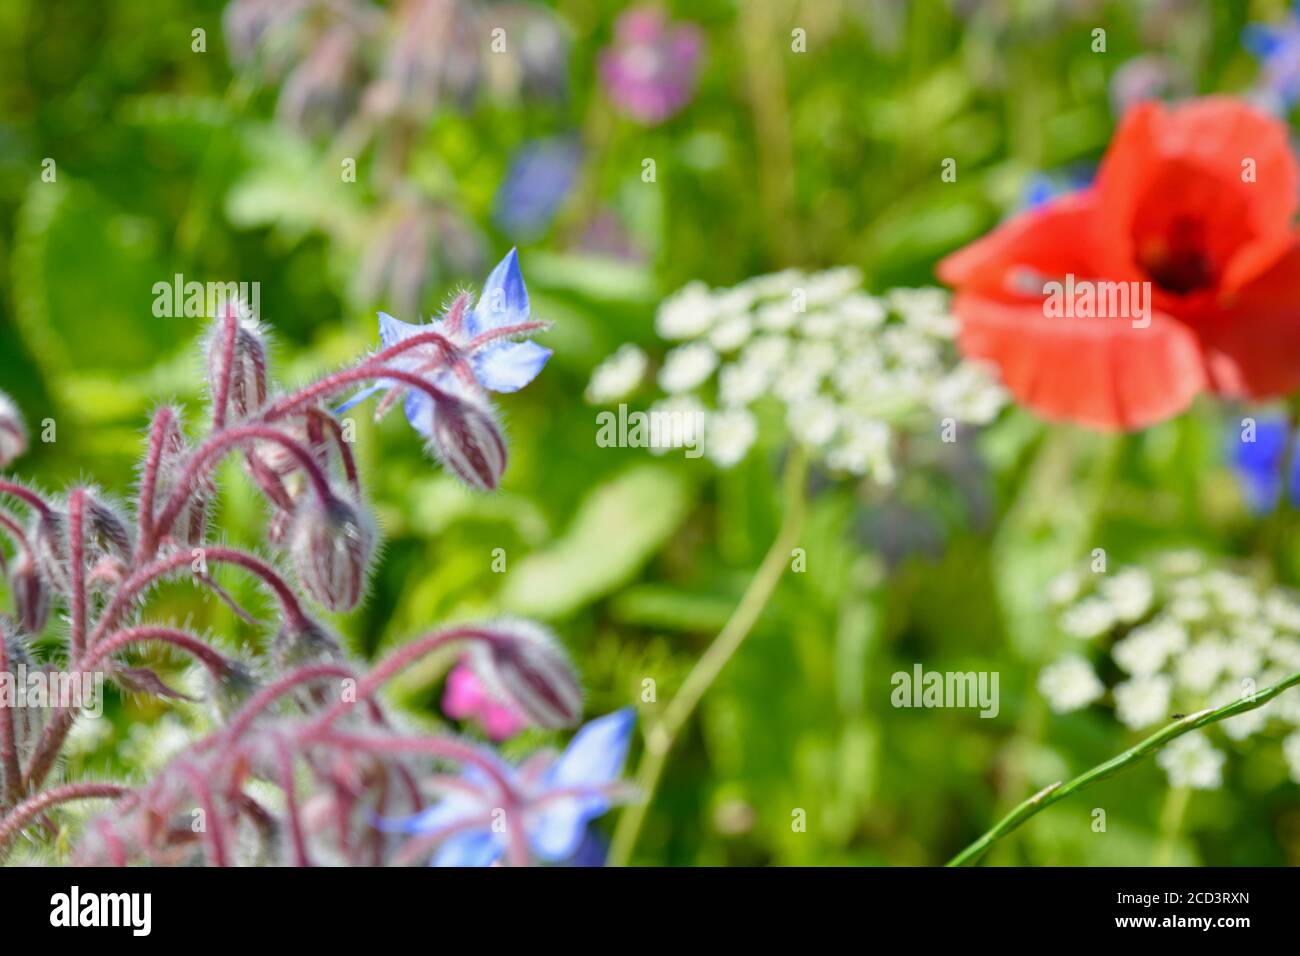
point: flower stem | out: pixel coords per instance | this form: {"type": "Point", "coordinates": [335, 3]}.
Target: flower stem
{"type": "Point", "coordinates": [1058, 791]}
{"type": "Point", "coordinates": [660, 738]}
{"type": "Point", "coordinates": [1171, 821]}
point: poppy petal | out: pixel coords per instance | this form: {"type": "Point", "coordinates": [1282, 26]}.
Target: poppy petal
{"type": "Point", "coordinates": [1100, 372]}
{"type": "Point", "coordinates": [1254, 344]}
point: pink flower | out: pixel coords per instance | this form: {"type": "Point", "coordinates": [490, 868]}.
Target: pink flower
{"type": "Point", "coordinates": [466, 699]}
{"type": "Point", "coordinates": [651, 69]}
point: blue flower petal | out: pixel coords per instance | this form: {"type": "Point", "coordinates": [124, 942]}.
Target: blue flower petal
{"type": "Point", "coordinates": [596, 754]}
{"type": "Point", "coordinates": [1258, 464]}
{"type": "Point", "coordinates": [446, 812]}
{"type": "Point", "coordinates": [594, 758]}
{"type": "Point", "coordinates": [1260, 40]}
{"type": "Point", "coordinates": [419, 410]}
{"type": "Point", "coordinates": [392, 331]}
{"type": "Point", "coordinates": [504, 299]}
{"type": "Point", "coordinates": [509, 366]}
{"type": "Point", "coordinates": [473, 848]}
{"type": "Point", "coordinates": [556, 833]}
{"type": "Point", "coordinates": [361, 396]}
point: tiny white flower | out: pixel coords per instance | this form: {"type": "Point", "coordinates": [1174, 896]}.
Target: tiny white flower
{"type": "Point", "coordinates": [676, 422]}
{"type": "Point", "coordinates": [1234, 594]}
{"type": "Point", "coordinates": [862, 311]}
{"type": "Point", "coordinates": [1145, 650]}
{"type": "Point", "coordinates": [687, 313]}
{"type": "Point", "coordinates": [1190, 761]}
{"type": "Point", "coordinates": [913, 302]}
{"type": "Point", "coordinates": [1282, 612]}
{"type": "Point", "coordinates": [857, 374]}
{"type": "Point", "coordinates": [731, 433]}
{"type": "Point", "coordinates": [1199, 667]}
{"type": "Point", "coordinates": [814, 421]}
{"type": "Point", "coordinates": [1143, 701]}
{"type": "Point", "coordinates": [1087, 619]}
{"type": "Point", "coordinates": [1190, 609]}
{"type": "Point", "coordinates": [774, 283]}
{"type": "Point", "coordinates": [820, 325]}
{"type": "Point", "coordinates": [969, 394]}
{"type": "Point", "coordinates": [617, 376]}
{"type": "Point", "coordinates": [1070, 684]}
{"type": "Point", "coordinates": [831, 285]}
{"type": "Point", "coordinates": [1240, 659]}
{"type": "Point", "coordinates": [739, 383]}
{"type": "Point", "coordinates": [863, 449]}
{"type": "Point", "coordinates": [1129, 593]}
{"type": "Point", "coordinates": [687, 367]}
{"type": "Point", "coordinates": [731, 333]}
{"type": "Point", "coordinates": [1065, 587]}
{"type": "Point", "coordinates": [768, 351]}
{"type": "Point", "coordinates": [1287, 708]}
{"type": "Point", "coordinates": [797, 383]}
{"type": "Point", "coordinates": [1286, 652]}
{"type": "Point", "coordinates": [1243, 725]}
{"type": "Point", "coordinates": [777, 316]}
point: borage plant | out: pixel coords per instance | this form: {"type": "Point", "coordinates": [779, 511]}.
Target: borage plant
{"type": "Point", "coordinates": [305, 765]}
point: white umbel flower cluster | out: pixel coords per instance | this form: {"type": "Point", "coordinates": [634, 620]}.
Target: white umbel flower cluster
{"type": "Point", "coordinates": [843, 371]}
{"type": "Point", "coordinates": [1186, 634]}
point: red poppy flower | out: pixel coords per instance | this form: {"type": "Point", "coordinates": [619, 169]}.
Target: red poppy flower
{"type": "Point", "coordinates": [1196, 200]}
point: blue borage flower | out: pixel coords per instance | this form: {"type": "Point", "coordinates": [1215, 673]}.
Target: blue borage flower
{"type": "Point", "coordinates": [540, 178]}
{"type": "Point", "coordinates": [501, 365]}
{"type": "Point", "coordinates": [560, 795]}
{"type": "Point", "coordinates": [1258, 465]}
{"type": "Point", "coordinates": [1277, 47]}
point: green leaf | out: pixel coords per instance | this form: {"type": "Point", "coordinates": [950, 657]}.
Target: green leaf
{"type": "Point", "coordinates": [615, 531]}
{"type": "Point", "coordinates": [84, 273]}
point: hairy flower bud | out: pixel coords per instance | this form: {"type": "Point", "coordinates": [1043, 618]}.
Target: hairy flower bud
{"type": "Point", "coordinates": [303, 642]}
{"type": "Point", "coordinates": [331, 545]}
{"type": "Point", "coordinates": [31, 593]}
{"type": "Point", "coordinates": [467, 439]}
{"type": "Point", "coordinates": [49, 538]}
{"type": "Point", "coordinates": [190, 527]}
{"type": "Point", "coordinates": [247, 370]}
{"type": "Point", "coordinates": [13, 433]}
{"type": "Point", "coordinates": [108, 530]}
{"type": "Point", "coordinates": [522, 662]}
{"type": "Point", "coordinates": [230, 690]}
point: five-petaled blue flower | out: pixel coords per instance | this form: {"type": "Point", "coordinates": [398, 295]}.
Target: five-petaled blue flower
{"type": "Point", "coordinates": [500, 365]}
{"type": "Point", "coordinates": [1258, 465]}
{"type": "Point", "coordinates": [1278, 50]}
{"type": "Point", "coordinates": [558, 796]}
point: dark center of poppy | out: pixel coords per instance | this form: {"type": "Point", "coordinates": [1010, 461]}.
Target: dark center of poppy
{"type": "Point", "coordinates": [1177, 259]}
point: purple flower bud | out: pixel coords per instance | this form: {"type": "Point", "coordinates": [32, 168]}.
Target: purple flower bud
{"type": "Point", "coordinates": [49, 538]}
{"type": "Point", "coordinates": [13, 433]}
{"type": "Point", "coordinates": [331, 546]}
{"type": "Point", "coordinates": [466, 438]}
{"type": "Point", "coordinates": [303, 642]}
{"type": "Point", "coordinates": [191, 524]}
{"type": "Point", "coordinates": [521, 662]}
{"type": "Point", "coordinates": [247, 363]}
{"type": "Point", "coordinates": [31, 593]}
{"type": "Point", "coordinates": [107, 529]}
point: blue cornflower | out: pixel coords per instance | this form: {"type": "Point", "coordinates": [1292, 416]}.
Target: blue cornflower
{"type": "Point", "coordinates": [1041, 188]}
{"type": "Point", "coordinates": [557, 797]}
{"type": "Point", "coordinates": [1258, 465]}
{"type": "Point", "coordinates": [539, 179]}
{"type": "Point", "coordinates": [1277, 47]}
{"type": "Point", "coordinates": [500, 365]}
